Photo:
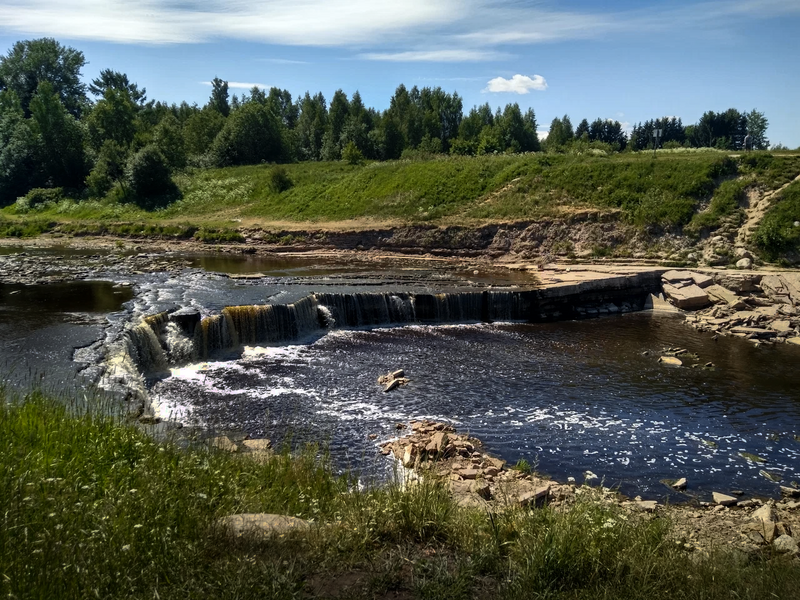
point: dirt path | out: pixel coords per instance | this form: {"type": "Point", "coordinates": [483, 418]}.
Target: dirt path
{"type": "Point", "coordinates": [756, 210]}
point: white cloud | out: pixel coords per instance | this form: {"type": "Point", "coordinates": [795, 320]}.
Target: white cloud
{"type": "Point", "coordinates": [451, 55]}
{"type": "Point", "coordinates": [240, 85]}
{"type": "Point", "coordinates": [368, 26]}
{"type": "Point", "coordinates": [518, 84]}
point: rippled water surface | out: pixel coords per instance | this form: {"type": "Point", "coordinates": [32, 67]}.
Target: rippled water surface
{"type": "Point", "coordinates": [568, 397]}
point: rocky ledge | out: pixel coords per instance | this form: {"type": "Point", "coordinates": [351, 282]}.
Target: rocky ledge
{"type": "Point", "coordinates": [477, 479]}
{"type": "Point", "coordinates": [763, 308]}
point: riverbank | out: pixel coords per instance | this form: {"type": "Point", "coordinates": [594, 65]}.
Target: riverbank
{"type": "Point", "coordinates": [145, 516]}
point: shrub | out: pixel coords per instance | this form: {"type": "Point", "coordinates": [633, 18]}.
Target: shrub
{"type": "Point", "coordinates": [251, 135]}
{"type": "Point", "coordinates": [39, 197]}
{"type": "Point", "coordinates": [351, 154]}
{"type": "Point", "coordinates": [278, 179]}
{"type": "Point", "coordinates": [148, 174]}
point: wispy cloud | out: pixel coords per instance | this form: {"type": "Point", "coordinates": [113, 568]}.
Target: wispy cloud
{"type": "Point", "coordinates": [450, 55]}
{"type": "Point", "coordinates": [518, 84]}
{"type": "Point", "coordinates": [369, 27]}
{"type": "Point", "coordinates": [283, 61]}
{"type": "Point", "coordinates": [241, 85]}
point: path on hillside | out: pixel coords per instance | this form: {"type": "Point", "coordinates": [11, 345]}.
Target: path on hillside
{"type": "Point", "coordinates": [757, 208]}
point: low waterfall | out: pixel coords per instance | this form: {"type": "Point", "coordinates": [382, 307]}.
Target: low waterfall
{"type": "Point", "coordinates": [183, 336]}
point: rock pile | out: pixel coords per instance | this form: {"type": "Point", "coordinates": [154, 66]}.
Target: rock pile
{"type": "Point", "coordinates": [393, 380]}
{"type": "Point", "coordinates": [765, 309]}
{"type": "Point", "coordinates": [475, 478]}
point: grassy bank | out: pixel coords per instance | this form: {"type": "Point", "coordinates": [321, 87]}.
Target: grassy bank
{"type": "Point", "coordinates": [93, 507]}
{"type": "Point", "coordinates": [669, 190]}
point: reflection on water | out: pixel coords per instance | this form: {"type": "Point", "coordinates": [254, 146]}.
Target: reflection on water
{"type": "Point", "coordinates": [569, 396]}
{"type": "Point", "coordinates": [40, 325]}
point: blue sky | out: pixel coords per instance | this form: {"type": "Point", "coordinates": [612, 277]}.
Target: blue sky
{"type": "Point", "coordinates": [626, 60]}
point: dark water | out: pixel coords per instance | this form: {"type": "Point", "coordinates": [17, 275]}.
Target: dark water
{"type": "Point", "coordinates": [41, 325]}
{"type": "Point", "coordinates": [568, 397]}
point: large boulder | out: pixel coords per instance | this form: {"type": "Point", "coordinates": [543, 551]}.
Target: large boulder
{"type": "Point", "coordinates": [690, 297]}
{"type": "Point", "coordinates": [261, 525]}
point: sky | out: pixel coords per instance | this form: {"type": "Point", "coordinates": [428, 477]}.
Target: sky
{"type": "Point", "coordinates": [627, 60]}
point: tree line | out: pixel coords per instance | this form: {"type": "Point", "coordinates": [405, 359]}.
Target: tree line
{"type": "Point", "coordinates": [56, 131]}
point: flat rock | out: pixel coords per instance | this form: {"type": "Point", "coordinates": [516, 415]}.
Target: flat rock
{"type": "Point", "coordinates": [647, 505]}
{"type": "Point", "coordinates": [261, 445]}
{"type": "Point", "coordinates": [680, 484]}
{"type": "Point", "coordinates": [656, 304]}
{"type": "Point", "coordinates": [754, 331]}
{"type": "Point", "coordinates": [468, 473]}
{"type": "Point", "coordinates": [781, 326]}
{"type": "Point", "coordinates": [718, 293]}
{"type": "Point", "coordinates": [738, 282]}
{"type": "Point", "coordinates": [224, 443]}
{"type": "Point", "coordinates": [533, 496]}
{"type": "Point", "coordinates": [688, 298]}
{"type": "Point", "coordinates": [794, 340]}
{"type": "Point", "coordinates": [724, 499]}
{"type": "Point", "coordinates": [261, 524]}
{"type": "Point", "coordinates": [765, 514]}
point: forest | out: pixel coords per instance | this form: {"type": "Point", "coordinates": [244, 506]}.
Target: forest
{"type": "Point", "coordinates": [106, 137]}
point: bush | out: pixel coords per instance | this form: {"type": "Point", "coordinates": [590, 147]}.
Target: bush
{"type": "Point", "coordinates": [148, 174]}
{"type": "Point", "coordinates": [351, 154]}
{"type": "Point", "coordinates": [39, 197]}
{"type": "Point", "coordinates": [278, 179]}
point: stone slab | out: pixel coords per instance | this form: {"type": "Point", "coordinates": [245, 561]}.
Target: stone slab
{"type": "Point", "coordinates": [261, 524]}
{"type": "Point", "coordinates": [720, 294]}
{"type": "Point", "coordinates": [688, 298]}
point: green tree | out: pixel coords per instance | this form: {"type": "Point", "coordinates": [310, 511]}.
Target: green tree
{"type": "Point", "coordinates": [112, 118]}
{"type": "Point", "coordinates": [251, 135]}
{"type": "Point", "coordinates": [757, 125]}
{"type": "Point", "coordinates": [219, 97]}
{"type": "Point", "coordinates": [311, 126]}
{"type": "Point", "coordinates": [201, 129]}
{"type": "Point", "coordinates": [109, 168]}
{"type": "Point", "coordinates": [19, 161]}
{"type": "Point", "coordinates": [31, 62]}
{"type": "Point", "coordinates": [147, 175]}
{"type": "Point", "coordinates": [60, 137]}
{"type": "Point", "coordinates": [351, 154]}
{"type": "Point", "coordinates": [168, 138]}
{"type": "Point", "coordinates": [582, 131]}
{"type": "Point", "coordinates": [114, 80]}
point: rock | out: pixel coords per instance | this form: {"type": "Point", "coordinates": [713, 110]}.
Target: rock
{"type": "Point", "coordinates": [682, 278]}
{"type": "Point", "coordinates": [790, 492]}
{"type": "Point", "coordinates": [717, 293]}
{"type": "Point", "coordinates": [261, 525]}
{"type": "Point", "coordinates": [724, 499]}
{"type": "Point", "coordinates": [438, 443]}
{"type": "Point", "coordinates": [739, 283]}
{"type": "Point", "coordinates": [398, 374]}
{"type": "Point", "coordinates": [224, 443]}
{"type": "Point", "coordinates": [670, 360]}
{"type": "Point", "coordinates": [785, 544]}
{"type": "Point", "coordinates": [656, 304]}
{"type": "Point", "coordinates": [261, 445]}
{"type": "Point", "coordinates": [462, 488]}
{"type": "Point", "coordinates": [744, 263]}
{"type": "Point", "coordinates": [497, 463]}
{"type": "Point", "coordinates": [647, 505]}
{"type": "Point", "coordinates": [392, 385]}
{"type": "Point", "coordinates": [765, 514]}
{"type": "Point", "coordinates": [688, 298]}
{"type": "Point", "coordinates": [757, 332]}
{"type": "Point", "coordinates": [469, 473]}
{"type": "Point", "coordinates": [781, 326]}
{"type": "Point", "coordinates": [409, 456]}
{"type": "Point", "coordinates": [589, 476]}
{"type": "Point", "coordinates": [794, 340]}
{"type": "Point", "coordinates": [533, 497]}
{"type": "Point", "coordinates": [680, 484]}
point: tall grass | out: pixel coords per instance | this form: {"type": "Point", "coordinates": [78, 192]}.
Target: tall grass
{"type": "Point", "coordinates": [94, 507]}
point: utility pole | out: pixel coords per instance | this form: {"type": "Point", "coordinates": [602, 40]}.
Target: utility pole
{"type": "Point", "coordinates": [656, 137]}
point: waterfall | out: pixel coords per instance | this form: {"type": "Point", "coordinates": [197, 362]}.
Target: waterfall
{"type": "Point", "coordinates": [181, 336]}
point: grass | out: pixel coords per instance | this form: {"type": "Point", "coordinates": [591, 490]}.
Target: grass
{"type": "Point", "coordinates": [777, 234]}
{"type": "Point", "coordinates": [94, 507]}
{"type": "Point", "coordinates": [666, 192]}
